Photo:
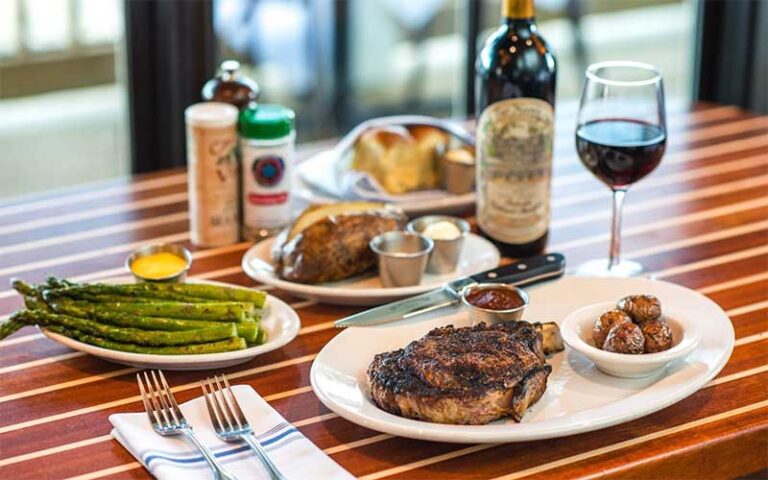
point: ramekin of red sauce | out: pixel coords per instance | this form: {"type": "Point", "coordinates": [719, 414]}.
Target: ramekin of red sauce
{"type": "Point", "coordinates": [494, 302]}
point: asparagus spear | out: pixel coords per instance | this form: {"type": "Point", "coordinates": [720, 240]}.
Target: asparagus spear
{"type": "Point", "coordinates": [205, 290]}
{"type": "Point", "coordinates": [215, 311]}
{"type": "Point", "coordinates": [126, 320]}
{"type": "Point", "coordinates": [132, 321]}
{"type": "Point", "coordinates": [54, 282]}
{"type": "Point", "coordinates": [235, 343]}
{"type": "Point", "coordinates": [132, 335]}
{"type": "Point", "coordinates": [168, 291]}
{"type": "Point", "coordinates": [263, 337]}
{"type": "Point", "coordinates": [115, 298]}
{"type": "Point", "coordinates": [24, 288]}
{"type": "Point", "coordinates": [248, 330]}
{"type": "Point", "coordinates": [31, 293]}
{"type": "Point", "coordinates": [9, 325]}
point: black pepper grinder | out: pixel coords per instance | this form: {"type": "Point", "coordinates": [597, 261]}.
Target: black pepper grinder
{"type": "Point", "coordinates": [231, 87]}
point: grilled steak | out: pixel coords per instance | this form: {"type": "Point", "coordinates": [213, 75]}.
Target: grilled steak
{"type": "Point", "coordinates": [470, 375]}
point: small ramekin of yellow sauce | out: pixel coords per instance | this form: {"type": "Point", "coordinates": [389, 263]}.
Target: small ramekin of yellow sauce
{"type": "Point", "coordinates": [159, 263]}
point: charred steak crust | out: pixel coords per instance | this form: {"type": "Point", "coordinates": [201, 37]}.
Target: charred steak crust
{"type": "Point", "coordinates": [470, 375]}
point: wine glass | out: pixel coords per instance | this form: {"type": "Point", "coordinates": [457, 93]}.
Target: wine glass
{"type": "Point", "coordinates": [621, 134]}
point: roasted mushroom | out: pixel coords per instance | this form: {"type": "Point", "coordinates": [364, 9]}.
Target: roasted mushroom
{"type": "Point", "coordinates": [625, 338]}
{"type": "Point", "coordinates": [658, 336]}
{"type": "Point", "coordinates": [642, 308]}
{"type": "Point", "coordinates": [604, 324]}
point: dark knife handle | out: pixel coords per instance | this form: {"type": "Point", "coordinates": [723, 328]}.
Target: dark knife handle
{"type": "Point", "coordinates": [525, 272]}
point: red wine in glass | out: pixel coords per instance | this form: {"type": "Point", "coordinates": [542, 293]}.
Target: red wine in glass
{"type": "Point", "coordinates": [621, 134]}
{"type": "Point", "coordinates": [620, 151]}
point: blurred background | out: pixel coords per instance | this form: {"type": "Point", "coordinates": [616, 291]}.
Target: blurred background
{"type": "Point", "coordinates": [93, 89]}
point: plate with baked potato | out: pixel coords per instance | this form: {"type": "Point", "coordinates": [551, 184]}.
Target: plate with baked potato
{"type": "Point", "coordinates": [325, 256]}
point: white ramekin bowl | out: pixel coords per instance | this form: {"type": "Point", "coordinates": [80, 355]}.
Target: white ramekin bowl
{"type": "Point", "coordinates": [577, 334]}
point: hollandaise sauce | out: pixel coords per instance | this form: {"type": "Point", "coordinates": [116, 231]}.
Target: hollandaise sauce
{"type": "Point", "coordinates": [158, 265]}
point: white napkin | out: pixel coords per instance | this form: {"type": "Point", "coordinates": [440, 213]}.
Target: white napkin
{"type": "Point", "coordinates": [327, 173]}
{"type": "Point", "coordinates": [324, 174]}
{"type": "Point", "coordinates": [173, 458]}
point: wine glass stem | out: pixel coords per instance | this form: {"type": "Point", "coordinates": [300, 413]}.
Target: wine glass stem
{"type": "Point", "coordinates": [618, 205]}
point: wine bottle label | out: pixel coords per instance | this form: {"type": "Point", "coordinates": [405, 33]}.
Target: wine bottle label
{"type": "Point", "coordinates": [514, 155]}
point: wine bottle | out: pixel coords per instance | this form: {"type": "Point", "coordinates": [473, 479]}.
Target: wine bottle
{"type": "Point", "coordinates": [515, 86]}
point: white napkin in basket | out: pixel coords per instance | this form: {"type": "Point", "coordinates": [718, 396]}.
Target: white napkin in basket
{"type": "Point", "coordinates": [174, 458]}
{"type": "Point", "coordinates": [327, 173]}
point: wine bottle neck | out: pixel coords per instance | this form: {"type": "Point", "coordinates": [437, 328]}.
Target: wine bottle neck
{"type": "Point", "coordinates": [520, 24]}
{"type": "Point", "coordinates": [514, 10]}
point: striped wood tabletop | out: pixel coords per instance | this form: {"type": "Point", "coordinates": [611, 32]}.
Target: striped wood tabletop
{"type": "Point", "coordinates": [700, 220]}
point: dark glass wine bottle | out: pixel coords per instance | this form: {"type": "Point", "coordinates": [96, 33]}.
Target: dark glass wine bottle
{"type": "Point", "coordinates": [515, 86]}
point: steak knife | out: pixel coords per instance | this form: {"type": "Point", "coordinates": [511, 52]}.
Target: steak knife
{"type": "Point", "coordinates": [525, 272]}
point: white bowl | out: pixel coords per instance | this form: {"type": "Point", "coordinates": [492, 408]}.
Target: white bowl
{"type": "Point", "coordinates": [577, 334]}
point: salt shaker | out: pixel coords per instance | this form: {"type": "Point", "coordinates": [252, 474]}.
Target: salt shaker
{"type": "Point", "coordinates": [212, 164]}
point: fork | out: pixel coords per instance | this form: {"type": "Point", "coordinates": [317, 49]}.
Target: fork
{"type": "Point", "coordinates": [230, 422]}
{"type": "Point", "coordinates": [166, 417]}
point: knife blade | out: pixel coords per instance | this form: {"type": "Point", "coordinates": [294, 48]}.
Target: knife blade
{"type": "Point", "coordinates": [525, 272]}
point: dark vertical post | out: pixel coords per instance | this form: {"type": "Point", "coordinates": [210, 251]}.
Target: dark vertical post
{"type": "Point", "coordinates": [171, 53]}
{"type": "Point", "coordinates": [474, 14]}
{"type": "Point", "coordinates": [731, 52]}
{"type": "Point", "coordinates": [341, 82]}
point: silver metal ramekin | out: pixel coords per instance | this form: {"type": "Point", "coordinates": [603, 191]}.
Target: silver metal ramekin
{"type": "Point", "coordinates": [147, 250]}
{"type": "Point", "coordinates": [402, 257]}
{"type": "Point", "coordinates": [445, 256]}
{"type": "Point", "coordinates": [478, 314]}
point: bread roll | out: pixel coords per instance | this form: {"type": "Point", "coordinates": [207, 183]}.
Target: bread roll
{"type": "Point", "coordinates": [401, 160]}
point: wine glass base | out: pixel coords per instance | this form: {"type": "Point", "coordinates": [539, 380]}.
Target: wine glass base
{"type": "Point", "coordinates": [600, 268]}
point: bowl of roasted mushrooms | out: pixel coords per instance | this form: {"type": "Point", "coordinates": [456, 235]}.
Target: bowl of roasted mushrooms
{"type": "Point", "coordinates": [630, 338]}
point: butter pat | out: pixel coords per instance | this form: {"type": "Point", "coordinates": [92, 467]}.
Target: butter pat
{"type": "Point", "coordinates": [443, 230]}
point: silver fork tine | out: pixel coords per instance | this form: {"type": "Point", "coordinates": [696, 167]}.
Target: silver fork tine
{"type": "Point", "coordinates": [151, 413]}
{"type": "Point", "coordinates": [224, 408]}
{"type": "Point", "coordinates": [227, 404]}
{"type": "Point", "coordinates": [167, 419]}
{"type": "Point", "coordinates": [213, 408]}
{"type": "Point", "coordinates": [176, 410]}
{"type": "Point", "coordinates": [159, 411]}
{"type": "Point", "coordinates": [238, 412]}
{"type": "Point", "coordinates": [166, 407]}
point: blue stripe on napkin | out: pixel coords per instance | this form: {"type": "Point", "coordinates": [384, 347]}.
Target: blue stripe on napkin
{"type": "Point", "coordinates": [262, 436]}
{"type": "Point", "coordinates": [178, 459]}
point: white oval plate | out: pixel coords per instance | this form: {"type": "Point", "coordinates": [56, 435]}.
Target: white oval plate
{"type": "Point", "coordinates": [278, 318]}
{"type": "Point", "coordinates": [579, 398]}
{"type": "Point", "coordinates": [478, 255]}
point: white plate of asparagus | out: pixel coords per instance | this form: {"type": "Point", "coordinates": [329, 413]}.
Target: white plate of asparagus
{"type": "Point", "coordinates": [174, 326]}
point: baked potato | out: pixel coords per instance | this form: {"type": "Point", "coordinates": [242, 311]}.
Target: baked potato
{"type": "Point", "coordinates": [330, 242]}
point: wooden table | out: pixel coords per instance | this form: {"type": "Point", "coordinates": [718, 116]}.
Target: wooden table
{"type": "Point", "coordinates": [700, 220]}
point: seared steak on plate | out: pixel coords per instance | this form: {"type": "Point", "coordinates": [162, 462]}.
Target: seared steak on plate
{"type": "Point", "coordinates": [470, 375]}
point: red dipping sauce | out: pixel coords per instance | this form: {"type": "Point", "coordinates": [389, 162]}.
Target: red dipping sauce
{"type": "Point", "coordinates": [495, 298]}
